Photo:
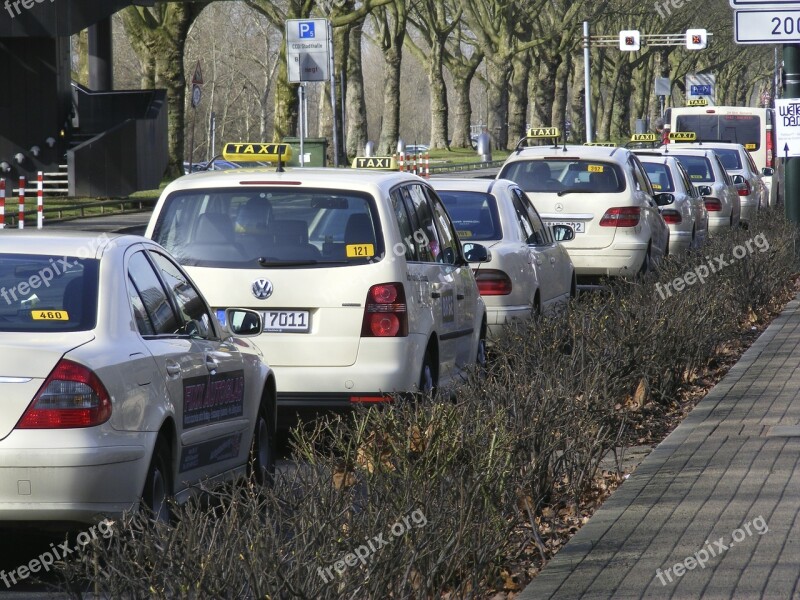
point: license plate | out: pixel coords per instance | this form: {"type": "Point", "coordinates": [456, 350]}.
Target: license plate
{"type": "Point", "coordinates": [285, 321]}
{"type": "Point", "coordinates": [578, 226]}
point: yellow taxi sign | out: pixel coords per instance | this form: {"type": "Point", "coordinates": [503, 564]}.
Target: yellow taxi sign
{"type": "Point", "coordinates": [682, 136]}
{"type": "Point", "coordinates": [543, 132]}
{"type": "Point", "coordinates": [375, 162]}
{"type": "Point", "coordinates": [250, 152]}
{"type": "Point", "coordinates": [603, 144]}
{"type": "Point", "coordinates": [697, 102]}
{"type": "Point", "coordinates": [644, 137]}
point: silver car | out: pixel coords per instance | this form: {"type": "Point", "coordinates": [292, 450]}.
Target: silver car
{"type": "Point", "coordinates": [119, 385]}
{"type": "Point", "coordinates": [679, 202]}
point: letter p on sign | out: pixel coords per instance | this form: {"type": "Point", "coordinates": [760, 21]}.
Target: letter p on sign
{"type": "Point", "coordinates": [306, 30]}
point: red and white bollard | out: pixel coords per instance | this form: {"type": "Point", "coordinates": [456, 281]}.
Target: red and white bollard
{"type": "Point", "coordinates": [21, 218]}
{"type": "Point", "coordinates": [401, 161]}
{"type": "Point", "coordinates": [2, 203]}
{"type": "Point", "coordinates": [39, 200]}
{"type": "Point", "coordinates": [414, 163]}
{"type": "Point", "coordinates": [427, 165]}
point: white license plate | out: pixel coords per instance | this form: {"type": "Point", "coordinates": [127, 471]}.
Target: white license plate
{"type": "Point", "coordinates": [578, 226]}
{"type": "Point", "coordinates": [283, 321]}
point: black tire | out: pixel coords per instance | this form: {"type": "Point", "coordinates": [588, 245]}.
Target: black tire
{"type": "Point", "coordinates": [157, 492]}
{"type": "Point", "coordinates": [646, 264]}
{"type": "Point", "coordinates": [262, 450]}
{"type": "Point", "coordinates": [481, 360]}
{"type": "Point", "coordinates": [428, 378]}
{"type": "Point", "coordinates": [573, 287]}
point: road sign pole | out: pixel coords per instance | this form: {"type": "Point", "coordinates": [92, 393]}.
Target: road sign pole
{"type": "Point", "coordinates": [791, 62]}
{"type": "Point", "coordinates": [333, 97]}
{"type": "Point", "coordinates": [587, 81]}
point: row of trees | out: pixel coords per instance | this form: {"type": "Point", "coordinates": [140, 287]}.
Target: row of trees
{"type": "Point", "coordinates": [426, 70]}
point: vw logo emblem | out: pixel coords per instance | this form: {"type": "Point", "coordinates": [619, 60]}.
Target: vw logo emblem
{"type": "Point", "coordinates": [262, 289]}
{"type": "Point", "coordinates": [559, 207]}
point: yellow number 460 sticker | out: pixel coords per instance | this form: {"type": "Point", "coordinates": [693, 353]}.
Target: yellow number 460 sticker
{"type": "Point", "coordinates": [49, 315]}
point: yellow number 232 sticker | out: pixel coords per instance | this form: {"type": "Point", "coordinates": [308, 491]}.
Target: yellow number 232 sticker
{"type": "Point", "coordinates": [49, 315]}
{"type": "Point", "coordinates": [360, 250]}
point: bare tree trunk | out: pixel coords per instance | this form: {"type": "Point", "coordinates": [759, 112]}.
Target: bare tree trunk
{"type": "Point", "coordinates": [543, 91]}
{"type": "Point", "coordinates": [390, 128]}
{"type": "Point", "coordinates": [439, 107]}
{"type": "Point", "coordinates": [518, 97]}
{"type": "Point", "coordinates": [578, 100]}
{"type": "Point", "coordinates": [356, 105]}
{"type": "Point", "coordinates": [559, 112]}
{"type": "Point", "coordinates": [498, 75]}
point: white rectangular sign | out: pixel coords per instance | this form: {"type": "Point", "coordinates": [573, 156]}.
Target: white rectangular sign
{"type": "Point", "coordinates": [776, 26]}
{"type": "Point", "coordinates": [787, 127]}
{"type": "Point", "coordinates": [307, 49]}
{"type": "Point", "coordinates": [762, 3]}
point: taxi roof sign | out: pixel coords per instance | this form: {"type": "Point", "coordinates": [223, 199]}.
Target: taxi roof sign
{"type": "Point", "coordinates": [375, 162]}
{"type": "Point", "coordinates": [697, 102]}
{"type": "Point", "coordinates": [682, 136]}
{"type": "Point", "coordinates": [603, 144]}
{"type": "Point", "coordinates": [644, 137]}
{"type": "Point", "coordinates": [543, 132]}
{"type": "Point", "coordinates": [256, 152]}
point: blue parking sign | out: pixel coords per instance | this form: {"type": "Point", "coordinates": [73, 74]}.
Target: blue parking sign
{"type": "Point", "coordinates": [701, 90]}
{"type": "Point", "coordinates": [306, 29]}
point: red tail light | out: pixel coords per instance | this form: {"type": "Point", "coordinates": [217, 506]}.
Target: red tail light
{"type": "Point", "coordinates": [712, 204]}
{"type": "Point", "coordinates": [744, 189]}
{"type": "Point", "coordinates": [385, 313]}
{"type": "Point", "coordinates": [493, 282]}
{"type": "Point", "coordinates": [769, 148]}
{"type": "Point", "coordinates": [71, 396]}
{"type": "Point", "coordinates": [672, 217]}
{"type": "Point", "coordinates": [621, 216]}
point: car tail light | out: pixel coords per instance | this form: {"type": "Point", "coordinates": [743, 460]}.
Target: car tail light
{"type": "Point", "coordinates": [71, 396]}
{"type": "Point", "coordinates": [672, 217]}
{"type": "Point", "coordinates": [712, 204]}
{"type": "Point", "coordinates": [744, 189]}
{"type": "Point", "coordinates": [493, 282]}
{"type": "Point", "coordinates": [769, 149]}
{"type": "Point", "coordinates": [621, 216]}
{"type": "Point", "coordinates": [385, 314]}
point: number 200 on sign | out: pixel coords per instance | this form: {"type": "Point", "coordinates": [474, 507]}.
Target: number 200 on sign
{"type": "Point", "coordinates": [785, 25]}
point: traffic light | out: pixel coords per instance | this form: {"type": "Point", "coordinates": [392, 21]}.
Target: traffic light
{"type": "Point", "coordinates": [696, 39]}
{"type": "Point", "coordinates": [629, 40]}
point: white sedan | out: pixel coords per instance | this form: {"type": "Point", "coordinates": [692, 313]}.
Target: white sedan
{"type": "Point", "coordinates": [118, 384]}
{"type": "Point", "coordinates": [528, 270]}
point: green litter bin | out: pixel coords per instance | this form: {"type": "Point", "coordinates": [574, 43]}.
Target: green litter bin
{"type": "Point", "coordinates": [315, 150]}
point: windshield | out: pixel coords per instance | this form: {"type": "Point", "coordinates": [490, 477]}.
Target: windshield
{"type": "Point", "coordinates": [739, 129]}
{"type": "Point", "coordinates": [251, 228]}
{"type": "Point", "coordinates": [40, 293]}
{"type": "Point", "coordinates": [698, 168]}
{"type": "Point", "coordinates": [564, 175]}
{"type": "Point", "coordinates": [660, 176]}
{"type": "Point", "coordinates": [474, 214]}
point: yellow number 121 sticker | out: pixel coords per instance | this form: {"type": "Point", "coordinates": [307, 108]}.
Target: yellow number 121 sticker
{"type": "Point", "coordinates": [49, 315]}
{"type": "Point", "coordinates": [360, 250]}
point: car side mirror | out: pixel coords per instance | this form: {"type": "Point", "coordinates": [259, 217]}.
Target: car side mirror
{"type": "Point", "coordinates": [664, 199]}
{"type": "Point", "coordinates": [244, 322]}
{"type": "Point", "coordinates": [563, 233]}
{"type": "Point", "coordinates": [705, 190]}
{"type": "Point", "coordinates": [768, 171]}
{"type": "Point", "coordinates": [475, 253]}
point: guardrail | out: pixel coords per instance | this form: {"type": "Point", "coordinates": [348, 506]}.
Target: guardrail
{"type": "Point", "coordinates": [56, 213]}
{"type": "Point", "coordinates": [491, 164]}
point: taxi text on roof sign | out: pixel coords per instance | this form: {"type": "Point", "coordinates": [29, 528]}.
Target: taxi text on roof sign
{"type": "Point", "coordinates": [244, 151]}
{"type": "Point", "coordinates": [697, 102]}
{"type": "Point", "coordinates": [375, 162]}
{"type": "Point", "coordinates": [682, 136]}
{"type": "Point", "coordinates": [644, 137]}
{"type": "Point", "coordinates": [604, 144]}
{"type": "Point", "coordinates": [544, 132]}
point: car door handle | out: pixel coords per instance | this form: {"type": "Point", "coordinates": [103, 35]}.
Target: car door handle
{"type": "Point", "coordinates": [435, 295]}
{"type": "Point", "coordinates": [460, 296]}
{"type": "Point", "coordinates": [211, 364]}
{"type": "Point", "coordinates": [552, 260]}
{"type": "Point", "coordinates": [173, 369]}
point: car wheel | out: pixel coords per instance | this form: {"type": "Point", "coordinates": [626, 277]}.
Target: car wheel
{"type": "Point", "coordinates": [262, 450]}
{"type": "Point", "coordinates": [158, 485]}
{"type": "Point", "coordinates": [646, 264]}
{"type": "Point", "coordinates": [573, 287]}
{"type": "Point", "coordinates": [427, 377]}
{"type": "Point", "coordinates": [481, 359]}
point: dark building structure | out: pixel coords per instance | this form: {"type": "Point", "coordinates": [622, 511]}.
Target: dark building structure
{"type": "Point", "coordinates": [110, 143]}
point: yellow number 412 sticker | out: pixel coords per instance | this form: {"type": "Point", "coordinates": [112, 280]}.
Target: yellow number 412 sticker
{"type": "Point", "coordinates": [49, 315]}
{"type": "Point", "coordinates": [360, 250]}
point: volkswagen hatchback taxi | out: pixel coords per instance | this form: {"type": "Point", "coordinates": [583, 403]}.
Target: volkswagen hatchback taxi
{"type": "Point", "coordinates": [117, 382]}
{"type": "Point", "coordinates": [604, 194]}
{"type": "Point", "coordinates": [359, 274]}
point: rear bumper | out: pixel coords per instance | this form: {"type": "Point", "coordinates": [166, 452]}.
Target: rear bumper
{"type": "Point", "coordinates": [718, 223]}
{"type": "Point", "coordinates": [679, 241]}
{"type": "Point", "coordinates": [618, 260]}
{"type": "Point", "coordinates": [497, 316]}
{"type": "Point", "coordinates": [749, 208]}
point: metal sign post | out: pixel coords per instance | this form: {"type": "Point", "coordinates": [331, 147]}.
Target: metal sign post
{"type": "Point", "coordinates": [197, 95]}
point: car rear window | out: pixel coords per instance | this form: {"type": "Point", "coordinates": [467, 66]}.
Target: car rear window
{"type": "Point", "coordinates": [565, 175]}
{"type": "Point", "coordinates": [279, 227]}
{"type": "Point", "coordinates": [660, 176]}
{"type": "Point", "coordinates": [739, 129]}
{"type": "Point", "coordinates": [698, 167]}
{"type": "Point", "coordinates": [730, 158]}
{"type": "Point", "coordinates": [41, 293]}
{"type": "Point", "coordinates": [474, 214]}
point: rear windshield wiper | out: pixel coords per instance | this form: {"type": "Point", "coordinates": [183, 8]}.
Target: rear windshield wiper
{"type": "Point", "coordinates": [276, 263]}
{"type": "Point", "coordinates": [569, 191]}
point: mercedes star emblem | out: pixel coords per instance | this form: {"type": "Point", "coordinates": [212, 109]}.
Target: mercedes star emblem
{"type": "Point", "coordinates": [559, 207]}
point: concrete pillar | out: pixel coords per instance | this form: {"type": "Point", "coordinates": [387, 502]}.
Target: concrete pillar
{"type": "Point", "coordinates": [101, 56]}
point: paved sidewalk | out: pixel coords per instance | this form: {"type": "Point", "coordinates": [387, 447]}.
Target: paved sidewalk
{"type": "Point", "coordinates": [722, 490]}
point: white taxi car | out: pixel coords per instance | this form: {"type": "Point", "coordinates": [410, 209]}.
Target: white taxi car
{"type": "Point", "coordinates": [603, 193]}
{"type": "Point", "coordinates": [680, 203]}
{"type": "Point", "coordinates": [118, 383]}
{"type": "Point", "coordinates": [359, 274]}
{"type": "Point", "coordinates": [528, 271]}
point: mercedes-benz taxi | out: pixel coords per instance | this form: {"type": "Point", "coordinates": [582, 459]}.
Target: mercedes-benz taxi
{"type": "Point", "coordinates": [359, 274]}
{"type": "Point", "coordinates": [602, 193]}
